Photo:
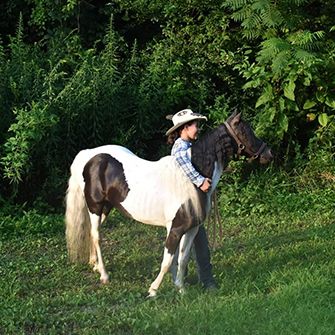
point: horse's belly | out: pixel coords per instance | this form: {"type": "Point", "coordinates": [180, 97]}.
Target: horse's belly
{"type": "Point", "coordinates": [148, 209]}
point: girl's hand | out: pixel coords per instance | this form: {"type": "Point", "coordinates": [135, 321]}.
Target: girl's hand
{"type": "Point", "coordinates": [206, 185]}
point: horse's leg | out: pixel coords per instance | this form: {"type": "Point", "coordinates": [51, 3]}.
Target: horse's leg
{"type": "Point", "coordinates": [166, 263]}
{"type": "Point", "coordinates": [95, 222]}
{"type": "Point", "coordinates": [171, 245]}
{"type": "Point", "coordinates": [174, 265]}
{"type": "Point", "coordinates": [93, 256]}
{"type": "Point", "coordinates": [184, 252]}
{"type": "Point", "coordinates": [93, 253]}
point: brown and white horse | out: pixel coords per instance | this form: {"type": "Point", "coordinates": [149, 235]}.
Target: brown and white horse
{"type": "Point", "coordinates": [156, 193]}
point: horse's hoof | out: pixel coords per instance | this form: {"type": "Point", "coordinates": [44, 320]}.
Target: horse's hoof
{"type": "Point", "coordinates": [104, 280]}
{"type": "Point", "coordinates": [151, 297]}
{"type": "Point", "coordinates": [182, 290]}
{"type": "Point", "coordinates": [152, 293]}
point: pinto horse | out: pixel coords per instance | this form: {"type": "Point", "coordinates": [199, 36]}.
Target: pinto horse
{"type": "Point", "coordinates": [156, 193]}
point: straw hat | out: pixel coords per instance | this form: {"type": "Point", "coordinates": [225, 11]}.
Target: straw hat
{"type": "Point", "coordinates": [182, 117]}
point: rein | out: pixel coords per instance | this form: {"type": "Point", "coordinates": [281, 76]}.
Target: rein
{"type": "Point", "coordinates": [241, 147]}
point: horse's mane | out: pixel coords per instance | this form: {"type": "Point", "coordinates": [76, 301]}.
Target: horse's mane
{"type": "Point", "coordinates": [213, 146]}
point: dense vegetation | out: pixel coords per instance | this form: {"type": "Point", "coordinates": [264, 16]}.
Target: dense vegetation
{"type": "Point", "coordinates": [78, 74]}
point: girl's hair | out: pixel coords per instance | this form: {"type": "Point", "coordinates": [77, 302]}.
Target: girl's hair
{"type": "Point", "coordinates": [172, 137]}
{"type": "Point", "coordinates": [175, 134]}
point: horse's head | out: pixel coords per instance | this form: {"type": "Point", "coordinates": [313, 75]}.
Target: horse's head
{"type": "Point", "coordinates": [247, 142]}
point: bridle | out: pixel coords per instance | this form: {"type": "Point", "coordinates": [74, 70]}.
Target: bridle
{"type": "Point", "coordinates": [241, 147]}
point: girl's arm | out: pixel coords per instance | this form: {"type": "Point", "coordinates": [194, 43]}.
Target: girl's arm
{"type": "Point", "coordinates": [186, 165]}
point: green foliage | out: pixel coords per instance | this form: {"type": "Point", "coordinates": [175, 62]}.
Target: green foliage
{"type": "Point", "coordinates": [259, 17]}
{"type": "Point", "coordinates": [16, 221]}
{"type": "Point", "coordinates": [30, 128]}
{"type": "Point", "coordinates": [299, 194]}
{"type": "Point", "coordinates": [73, 78]}
{"type": "Point", "coordinates": [69, 106]}
{"type": "Point", "coordinates": [291, 72]}
{"type": "Point", "coordinates": [308, 185]}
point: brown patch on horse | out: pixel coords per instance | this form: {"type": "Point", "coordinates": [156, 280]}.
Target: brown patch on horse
{"type": "Point", "coordinates": [184, 220]}
{"type": "Point", "coordinates": [105, 184]}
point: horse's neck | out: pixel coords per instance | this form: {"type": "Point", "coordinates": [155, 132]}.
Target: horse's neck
{"type": "Point", "coordinates": [211, 153]}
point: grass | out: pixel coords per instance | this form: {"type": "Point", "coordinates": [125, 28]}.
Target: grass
{"type": "Point", "coordinates": [275, 268]}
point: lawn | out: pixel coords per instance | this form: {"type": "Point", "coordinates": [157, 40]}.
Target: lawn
{"type": "Point", "coordinates": [276, 273]}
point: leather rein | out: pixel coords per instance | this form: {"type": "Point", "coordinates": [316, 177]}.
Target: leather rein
{"type": "Point", "coordinates": [241, 147]}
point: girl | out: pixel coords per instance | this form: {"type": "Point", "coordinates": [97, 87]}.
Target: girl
{"type": "Point", "coordinates": [181, 135]}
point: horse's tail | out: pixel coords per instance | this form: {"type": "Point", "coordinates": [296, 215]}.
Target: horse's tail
{"type": "Point", "coordinates": [78, 223]}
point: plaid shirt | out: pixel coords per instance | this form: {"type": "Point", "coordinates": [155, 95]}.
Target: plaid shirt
{"type": "Point", "coordinates": [180, 151]}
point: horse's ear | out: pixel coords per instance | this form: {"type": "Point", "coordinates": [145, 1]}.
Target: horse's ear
{"type": "Point", "coordinates": [236, 118]}
{"type": "Point", "coordinates": [234, 113]}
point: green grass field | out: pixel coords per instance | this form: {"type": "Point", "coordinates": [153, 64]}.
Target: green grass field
{"type": "Point", "coordinates": [275, 268]}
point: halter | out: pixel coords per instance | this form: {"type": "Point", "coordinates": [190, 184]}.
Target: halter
{"type": "Point", "coordinates": [241, 146]}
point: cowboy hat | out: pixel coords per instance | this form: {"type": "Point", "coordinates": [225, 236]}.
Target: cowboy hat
{"type": "Point", "coordinates": [182, 117]}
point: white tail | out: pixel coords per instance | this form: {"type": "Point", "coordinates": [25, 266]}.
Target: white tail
{"type": "Point", "coordinates": [78, 226]}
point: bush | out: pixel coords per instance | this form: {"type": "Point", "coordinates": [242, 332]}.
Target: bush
{"type": "Point", "coordinates": [16, 221]}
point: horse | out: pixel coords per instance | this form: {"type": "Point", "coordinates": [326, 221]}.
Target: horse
{"type": "Point", "coordinates": [152, 192]}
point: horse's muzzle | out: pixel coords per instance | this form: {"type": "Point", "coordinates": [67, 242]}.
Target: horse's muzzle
{"type": "Point", "coordinates": [266, 156]}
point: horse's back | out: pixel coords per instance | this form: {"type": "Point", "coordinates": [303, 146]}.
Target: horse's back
{"type": "Point", "coordinates": [127, 158]}
{"type": "Point", "coordinates": [85, 155]}
{"type": "Point", "coordinates": [136, 169]}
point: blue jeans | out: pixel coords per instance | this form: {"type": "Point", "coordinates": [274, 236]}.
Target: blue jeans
{"type": "Point", "coordinates": [203, 259]}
